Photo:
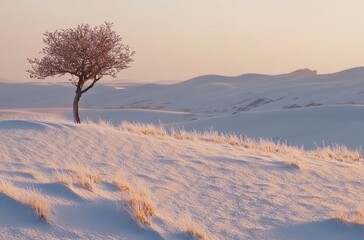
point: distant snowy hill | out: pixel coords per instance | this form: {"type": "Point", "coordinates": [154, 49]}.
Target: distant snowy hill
{"type": "Point", "coordinates": [219, 94]}
{"type": "Point", "coordinates": [205, 94]}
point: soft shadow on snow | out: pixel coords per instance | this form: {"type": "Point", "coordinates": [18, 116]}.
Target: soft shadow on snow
{"type": "Point", "coordinates": [30, 125]}
{"type": "Point", "coordinates": [57, 190]}
{"type": "Point", "coordinates": [321, 230]}
{"type": "Point", "coordinates": [98, 220]}
{"type": "Point", "coordinates": [15, 214]}
{"type": "Point", "coordinates": [104, 218]}
{"type": "Point", "coordinates": [22, 124]}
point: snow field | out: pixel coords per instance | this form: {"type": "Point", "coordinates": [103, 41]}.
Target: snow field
{"type": "Point", "coordinates": [231, 191]}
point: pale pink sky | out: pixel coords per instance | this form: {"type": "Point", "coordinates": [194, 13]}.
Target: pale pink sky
{"type": "Point", "coordinates": [180, 39]}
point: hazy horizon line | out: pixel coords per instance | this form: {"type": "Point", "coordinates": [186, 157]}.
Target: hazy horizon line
{"type": "Point", "coordinates": [64, 79]}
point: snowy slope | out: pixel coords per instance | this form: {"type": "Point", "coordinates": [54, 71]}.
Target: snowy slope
{"type": "Point", "coordinates": [308, 127]}
{"type": "Point", "coordinates": [230, 192]}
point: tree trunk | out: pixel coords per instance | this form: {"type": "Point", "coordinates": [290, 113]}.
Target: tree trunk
{"type": "Point", "coordinates": [76, 116]}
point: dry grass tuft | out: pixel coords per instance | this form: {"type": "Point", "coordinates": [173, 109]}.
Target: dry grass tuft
{"type": "Point", "coordinates": [192, 229]}
{"type": "Point", "coordinates": [142, 207]}
{"type": "Point", "coordinates": [41, 206]}
{"type": "Point", "coordinates": [182, 134]}
{"type": "Point", "coordinates": [84, 176]}
{"type": "Point", "coordinates": [85, 181]}
{"type": "Point", "coordinates": [120, 182]}
{"type": "Point", "coordinates": [144, 128]}
{"type": "Point", "coordinates": [337, 152]}
{"type": "Point", "coordinates": [29, 197]}
{"type": "Point", "coordinates": [9, 189]}
{"type": "Point", "coordinates": [62, 177]}
{"type": "Point", "coordinates": [260, 145]}
{"type": "Point", "coordinates": [100, 124]}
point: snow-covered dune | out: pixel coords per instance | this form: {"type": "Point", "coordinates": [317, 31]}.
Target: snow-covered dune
{"type": "Point", "coordinates": [307, 127]}
{"type": "Point", "coordinates": [229, 192]}
{"type": "Point", "coordinates": [208, 94]}
{"type": "Point", "coordinates": [218, 94]}
{"type": "Point", "coordinates": [302, 126]}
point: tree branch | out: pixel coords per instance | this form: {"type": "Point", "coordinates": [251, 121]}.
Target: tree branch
{"type": "Point", "coordinates": [91, 85]}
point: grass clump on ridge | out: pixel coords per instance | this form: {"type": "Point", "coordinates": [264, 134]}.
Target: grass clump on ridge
{"type": "Point", "coordinates": [261, 145]}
